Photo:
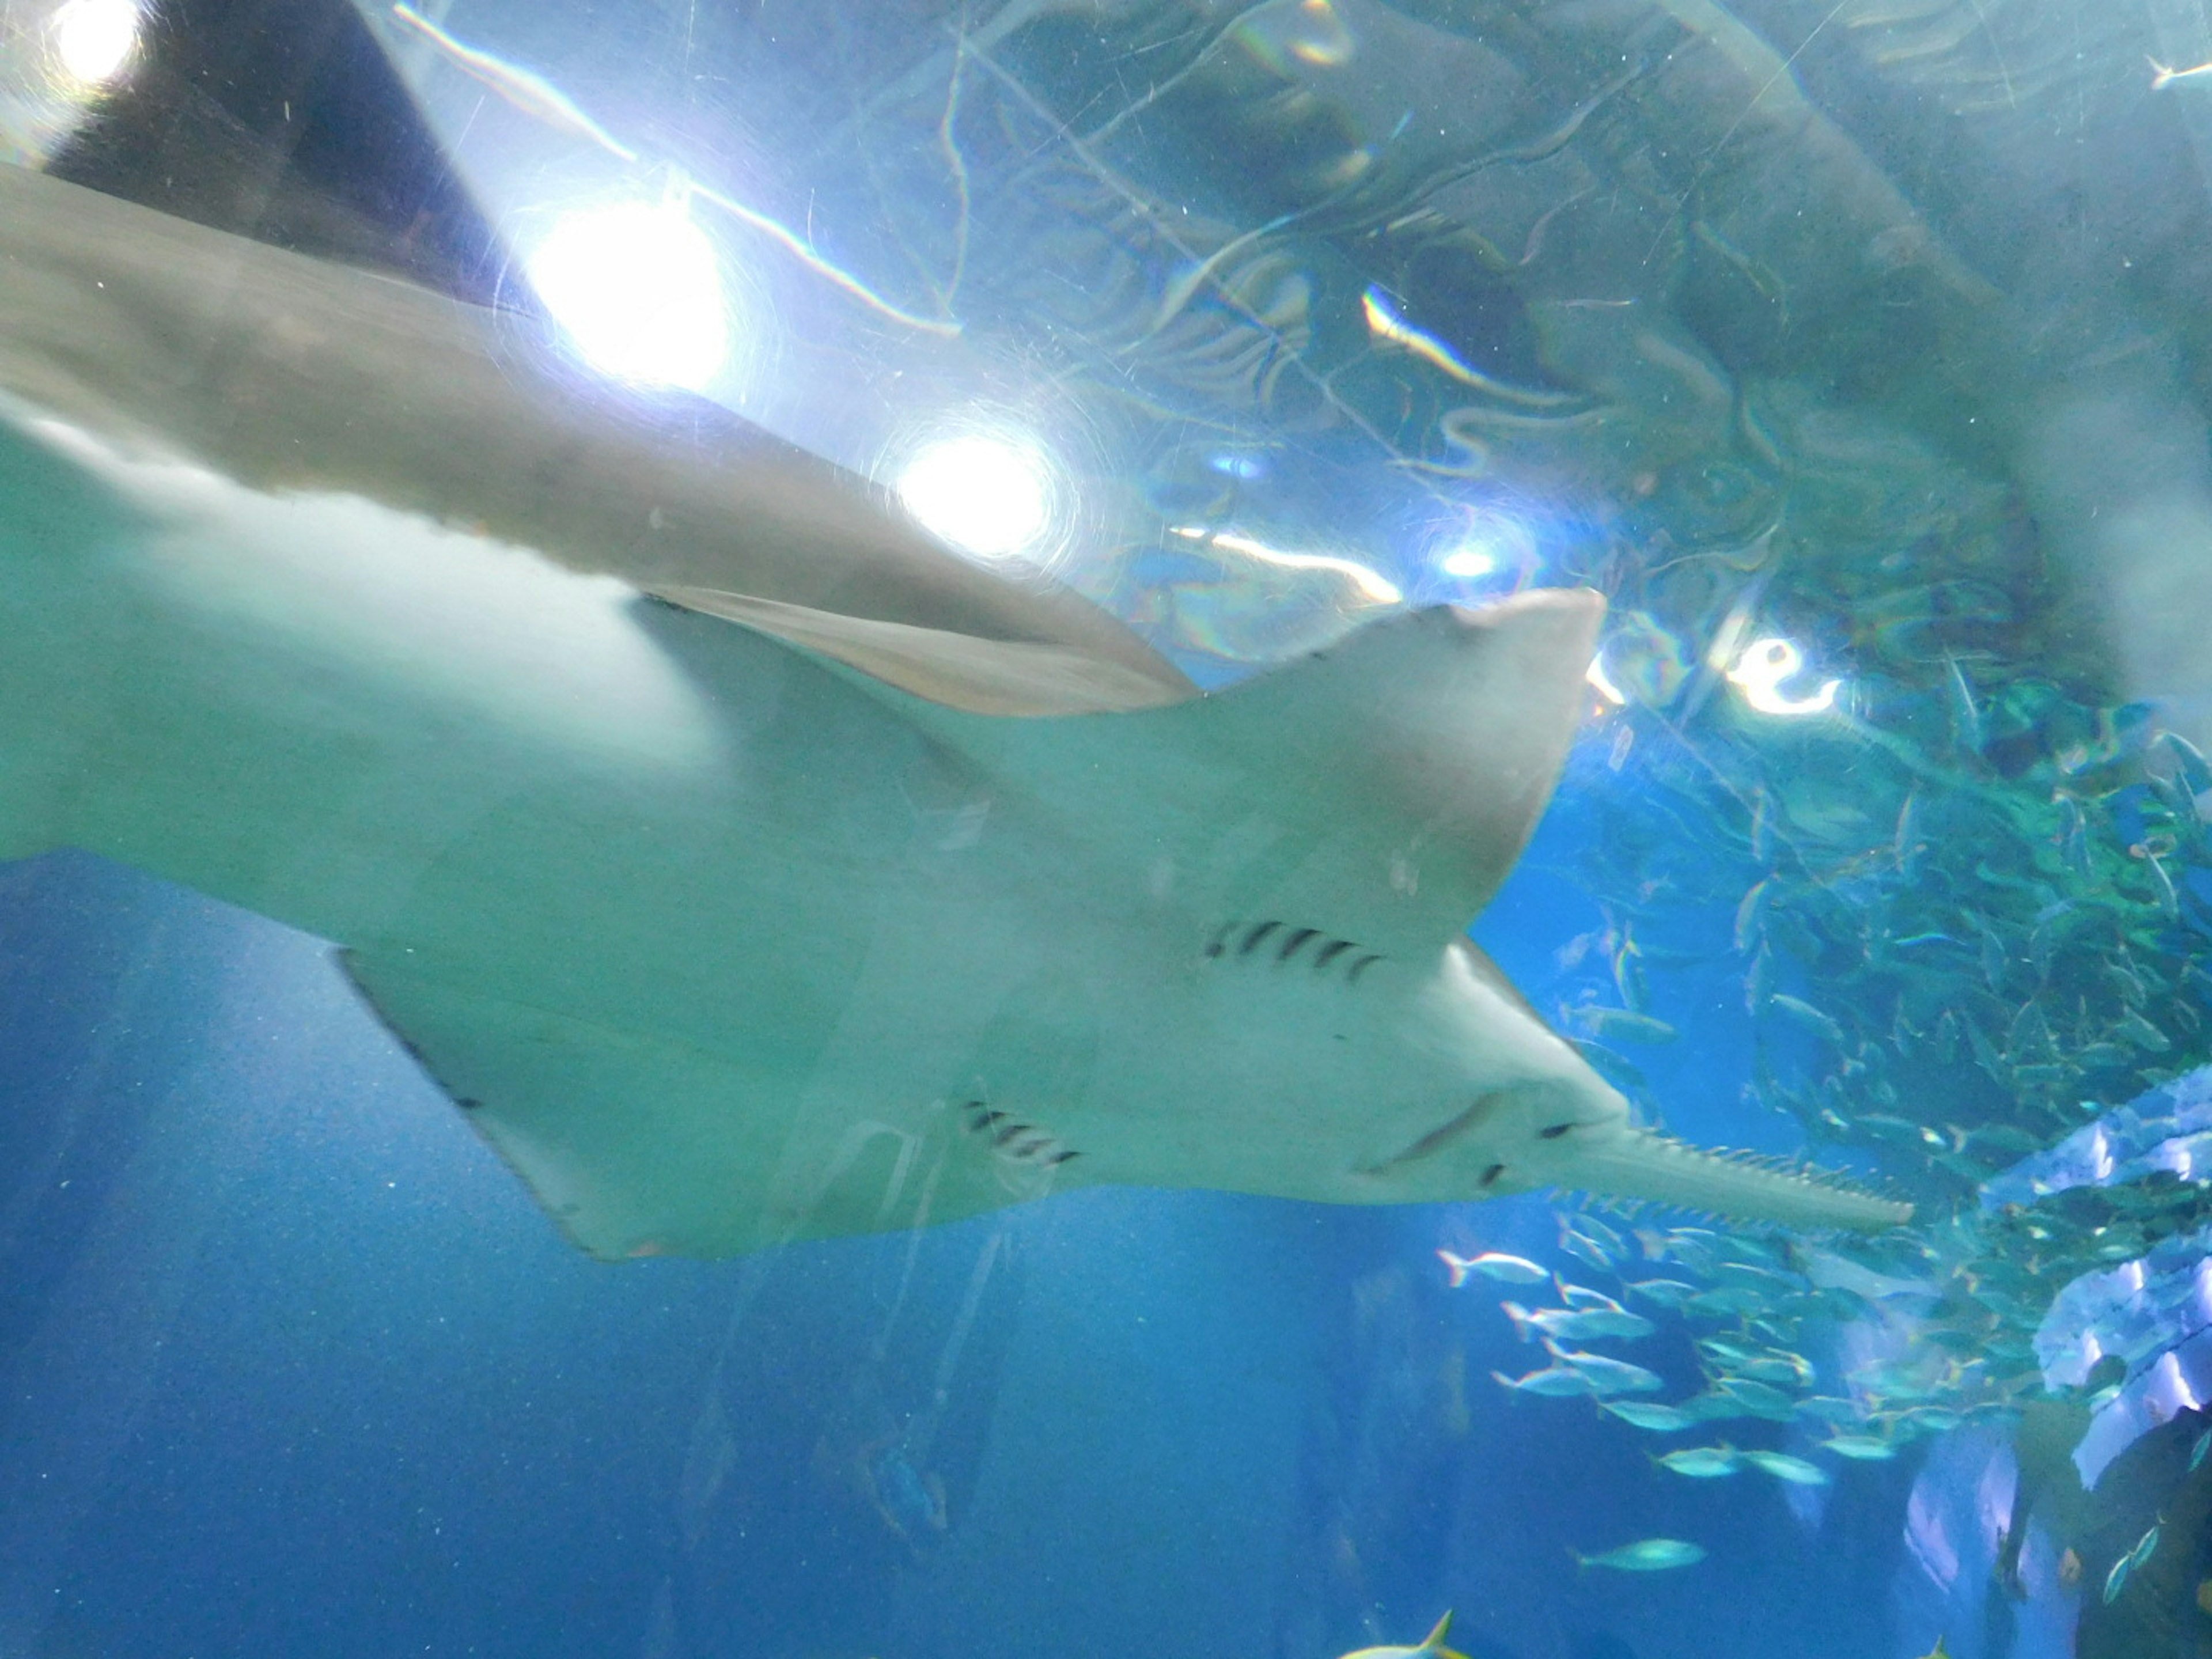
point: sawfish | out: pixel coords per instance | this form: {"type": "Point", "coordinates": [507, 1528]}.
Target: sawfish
{"type": "Point", "coordinates": [745, 865]}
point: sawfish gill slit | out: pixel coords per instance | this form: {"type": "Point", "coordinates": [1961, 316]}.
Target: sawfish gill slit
{"type": "Point", "coordinates": [1024, 1143]}
{"type": "Point", "coordinates": [1244, 939]}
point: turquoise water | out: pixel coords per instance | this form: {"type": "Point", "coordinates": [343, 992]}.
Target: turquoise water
{"type": "Point", "coordinates": [1855, 355]}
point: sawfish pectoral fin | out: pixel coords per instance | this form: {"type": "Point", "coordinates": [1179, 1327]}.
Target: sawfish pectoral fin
{"type": "Point", "coordinates": [1395, 777]}
{"type": "Point", "coordinates": [641, 1145]}
{"type": "Point", "coordinates": [1640, 1164]}
{"type": "Point", "coordinates": [1380, 789]}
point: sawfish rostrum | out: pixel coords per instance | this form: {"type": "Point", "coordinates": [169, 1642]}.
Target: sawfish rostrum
{"type": "Point", "coordinates": [734, 896]}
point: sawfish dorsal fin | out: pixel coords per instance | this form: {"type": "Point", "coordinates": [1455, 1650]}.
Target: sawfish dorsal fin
{"type": "Point", "coordinates": [1380, 789]}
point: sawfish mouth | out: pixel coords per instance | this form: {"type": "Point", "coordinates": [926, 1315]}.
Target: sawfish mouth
{"type": "Point", "coordinates": [1482, 1114]}
{"type": "Point", "coordinates": [1443, 1135]}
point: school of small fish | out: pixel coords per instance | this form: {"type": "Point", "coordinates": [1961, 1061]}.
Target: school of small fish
{"type": "Point", "coordinates": [1969, 914]}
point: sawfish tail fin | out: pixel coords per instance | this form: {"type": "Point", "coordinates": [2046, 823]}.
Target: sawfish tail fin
{"type": "Point", "coordinates": [1641, 1163]}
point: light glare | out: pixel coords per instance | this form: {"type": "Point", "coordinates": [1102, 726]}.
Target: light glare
{"type": "Point", "coordinates": [93, 39]}
{"type": "Point", "coordinates": [639, 289]}
{"type": "Point", "coordinates": [1372, 585]}
{"type": "Point", "coordinates": [1471, 561]}
{"type": "Point", "coordinates": [1758, 674]}
{"type": "Point", "coordinates": [985, 495]}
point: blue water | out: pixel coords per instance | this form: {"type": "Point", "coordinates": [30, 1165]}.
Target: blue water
{"type": "Point", "coordinates": [1873, 336]}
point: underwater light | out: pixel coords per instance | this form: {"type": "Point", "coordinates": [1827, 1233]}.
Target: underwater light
{"type": "Point", "coordinates": [639, 289]}
{"type": "Point", "coordinates": [1602, 682]}
{"type": "Point", "coordinates": [95, 38]}
{"type": "Point", "coordinates": [989, 496]}
{"type": "Point", "coordinates": [1760, 672]}
{"type": "Point", "coordinates": [1483, 540]}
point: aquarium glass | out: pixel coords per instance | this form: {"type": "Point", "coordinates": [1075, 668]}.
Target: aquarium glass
{"type": "Point", "coordinates": [711, 712]}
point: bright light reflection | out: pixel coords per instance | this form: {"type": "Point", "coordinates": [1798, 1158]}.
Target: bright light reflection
{"type": "Point", "coordinates": [1470, 561]}
{"type": "Point", "coordinates": [1373, 584]}
{"type": "Point", "coordinates": [93, 39]}
{"type": "Point", "coordinates": [985, 495]}
{"type": "Point", "coordinates": [1758, 674]}
{"type": "Point", "coordinates": [2177, 1382]}
{"type": "Point", "coordinates": [1486, 542]}
{"type": "Point", "coordinates": [638, 288]}
{"type": "Point", "coordinates": [1603, 683]}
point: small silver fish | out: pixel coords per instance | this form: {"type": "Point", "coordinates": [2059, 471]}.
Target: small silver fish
{"type": "Point", "coordinates": [1729, 1302]}
{"type": "Point", "coordinates": [1645, 1555]}
{"type": "Point", "coordinates": [1808, 1016]}
{"type": "Point", "coordinates": [1703, 1462]}
{"type": "Point", "coordinates": [1666, 1293]}
{"type": "Point", "coordinates": [1580, 1296]}
{"type": "Point", "coordinates": [1693, 1248]}
{"type": "Point", "coordinates": [1966, 718]}
{"type": "Point", "coordinates": [1651, 1416]}
{"type": "Point", "coordinates": [1556, 1381]}
{"type": "Point", "coordinates": [1583, 1248]}
{"type": "Point", "coordinates": [1492, 1264]}
{"type": "Point", "coordinates": [1760, 1399]}
{"type": "Point", "coordinates": [1865, 1448]}
{"type": "Point", "coordinates": [1930, 1419]}
{"type": "Point", "coordinates": [1908, 842]}
{"type": "Point", "coordinates": [1783, 1466]}
{"type": "Point", "coordinates": [1786, 1370]}
{"type": "Point", "coordinates": [1828, 1408]}
{"type": "Point", "coordinates": [1749, 917]}
{"type": "Point", "coordinates": [1576, 1324]}
{"type": "Point", "coordinates": [1610, 1241]}
{"type": "Point", "coordinates": [1604, 1374]}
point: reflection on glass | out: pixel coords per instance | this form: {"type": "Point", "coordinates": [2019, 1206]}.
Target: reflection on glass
{"type": "Point", "coordinates": [1760, 671]}
{"type": "Point", "coordinates": [1486, 542]}
{"type": "Point", "coordinates": [541, 99]}
{"type": "Point", "coordinates": [93, 39]}
{"type": "Point", "coordinates": [531, 94]}
{"type": "Point", "coordinates": [1602, 682]}
{"type": "Point", "coordinates": [1296, 31]}
{"type": "Point", "coordinates": [637, 286]}
{"type": "Point", "coordinates": [987, 495]}
{"type": "Point", "coordinates": [1372, 585]}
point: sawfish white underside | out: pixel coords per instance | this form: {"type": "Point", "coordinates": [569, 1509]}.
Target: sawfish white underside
{"type": "Point", "coordinates": [729, 922]}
